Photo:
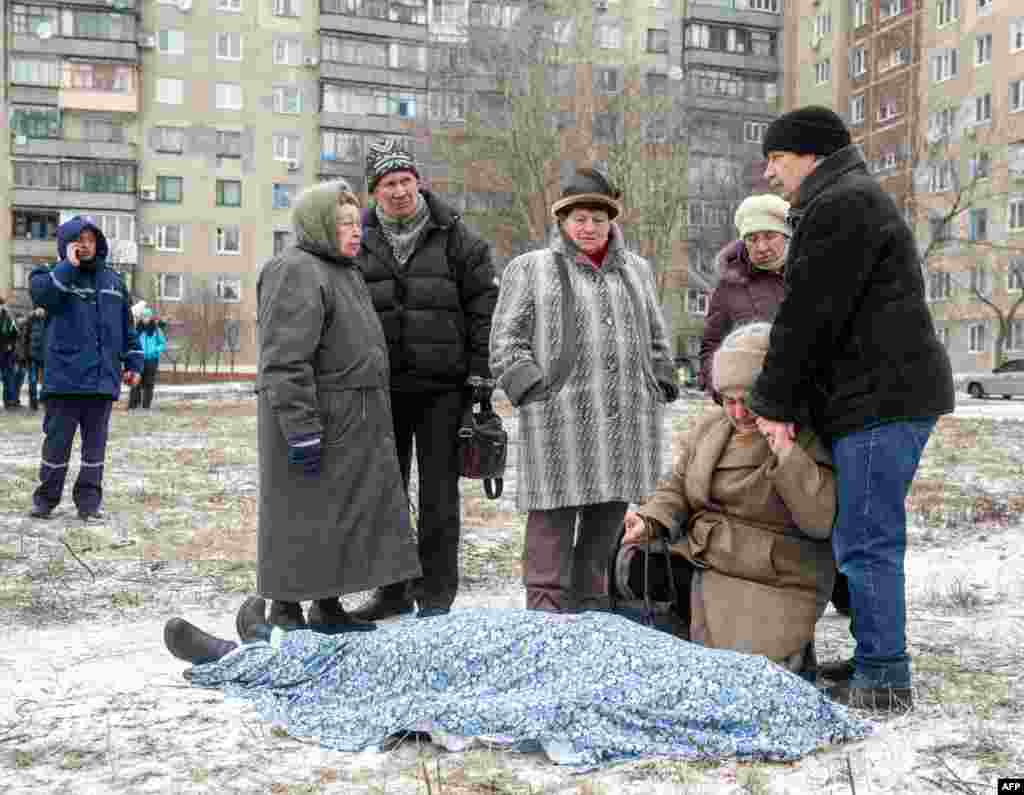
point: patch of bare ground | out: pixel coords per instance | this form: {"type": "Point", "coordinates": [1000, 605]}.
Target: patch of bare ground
{"type": "Point", "coordinates": [90, 701]}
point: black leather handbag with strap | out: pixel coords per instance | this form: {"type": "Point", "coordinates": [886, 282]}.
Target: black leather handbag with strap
{"type": "Point", "coordinates": [483, 447]}
{"type": "Point", "coordinates": [642, 608]}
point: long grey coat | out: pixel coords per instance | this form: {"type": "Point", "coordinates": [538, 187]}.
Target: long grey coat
{"type": "Point", "coordinates": [582, 354]}
{"type": "Point", "coordinates": [323, 369]}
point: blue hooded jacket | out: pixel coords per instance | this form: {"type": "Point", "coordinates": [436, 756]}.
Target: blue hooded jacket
{"type": "Point", "coordinates": [89, 335]}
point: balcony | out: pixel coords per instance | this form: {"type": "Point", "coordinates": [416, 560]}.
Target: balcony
{"type": "Point", "coordinates": [373, 75]}
{"type": "Point", "coordinates": [33, 248]}
{"type": "Point", "coordinates": [111, 49]}
{"type": "Point", "coordinates": [733, 61]}
{"type": "Point", "coordinates": [372, 26]}
{"type": "Point", "coordinates": [33, 95]}
{"type": "Point", "coordinates": [725, 13]}
{"type": "Point", "coordinates": [63, 147]}
{"type": "Point", "coordinates": [354, 172]}
{"type": "Point", "coordinates": [83, 200]}
{"type": "Point", "coordinates": [384, 125]}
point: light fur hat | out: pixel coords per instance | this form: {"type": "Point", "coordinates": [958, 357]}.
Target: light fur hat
{"type": "Point", "coordinates": [764, 213]}
{"type": "Point", "coordinates": [740, 357]}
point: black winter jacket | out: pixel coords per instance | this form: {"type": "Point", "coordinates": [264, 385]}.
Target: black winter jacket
{"type": "Point", "coordinates": [853, 344]}
{"type": "Point", "coordinates": [436, 313]}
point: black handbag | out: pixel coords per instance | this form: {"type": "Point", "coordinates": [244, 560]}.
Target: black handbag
{"type": "Point", "coordinates": [656, 614]}
{"type": "Point", "coordinates": [483, 447]}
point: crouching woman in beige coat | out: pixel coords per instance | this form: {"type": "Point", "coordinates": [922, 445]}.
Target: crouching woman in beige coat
{"type": "Point", "coordinates": [752, 516]}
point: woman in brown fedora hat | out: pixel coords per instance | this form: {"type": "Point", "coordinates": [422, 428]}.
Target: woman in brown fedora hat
{"type": "Point", "coordinates": [578, 344]}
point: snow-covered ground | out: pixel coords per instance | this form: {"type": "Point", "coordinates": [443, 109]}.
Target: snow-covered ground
{"type": "Point", "coordinates": [90, 701]}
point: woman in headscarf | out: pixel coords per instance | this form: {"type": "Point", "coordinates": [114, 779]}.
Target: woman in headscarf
{"type": "Point", "coordinates": [578, 344]}
{"type": "Point", "coordinates": [333, 517]}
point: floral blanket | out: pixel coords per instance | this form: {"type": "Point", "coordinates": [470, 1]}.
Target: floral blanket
{"type": "Point", "coordinates": [589, 688]}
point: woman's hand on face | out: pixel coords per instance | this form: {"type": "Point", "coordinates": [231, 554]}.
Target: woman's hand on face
{"type": "Point", "coordinates": [636, 529]}
{"type": "Point", "coordinates": [779, 435]}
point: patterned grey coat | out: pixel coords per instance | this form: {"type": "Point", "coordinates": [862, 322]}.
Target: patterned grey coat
{"type": "Point", "coordinates": [583, 354]}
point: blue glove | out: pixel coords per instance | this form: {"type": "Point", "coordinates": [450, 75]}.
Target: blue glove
{"type": "Point", "coordinates": [305, 451]}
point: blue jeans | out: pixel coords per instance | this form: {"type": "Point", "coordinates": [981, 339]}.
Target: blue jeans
{"type": "Point", "coordinates": [874, 470]}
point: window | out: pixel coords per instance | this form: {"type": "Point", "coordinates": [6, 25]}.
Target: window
{"type": "Point", "coordinates": [287, 52]}
{"type": "Point", "coordinates": [857, 109]}
{"type": "Point", "coordinates": [229, 96]}
{"type": "Point", "coordinates": [1016, 96]}
{"type": "Point", "coordinates": [1017, 36]}
{"type": "Point", "coordinates": [445, 106]}
{"type": "Point", "coordinates": [941, 176]}
{"type": "Point", "coordinates": [287, 99]}
{"type": "Point", "coordinates": [169, 139]}
{"type": "Point", "coordinates": [116, 226]}
{"type": "Point", "coordinates": [941, 122]}
{"type": "Point", "coordinates": [340, 146]}
{"type": "Point", "coordinates": [229, 46]}
{"type": "Point", "coordinates": [28, 18]}
{"type": "Point", "coordinates": [94, 177]}
{"type": "Point", "coordinates": [170, 42]}
{"type": "Point", "coordinates": [860, 13]}
{"type": "Point", "coordinates": [286, 8]}
{"type": "Point", "coordinates": [981, 166]}
{"type": "Point", "coordinates": [762, 43]}
{"type": "Point", "coordinates": [228, 289]}
{"type": "Point", "coordinates": [943, 335]}
{"type": "Point", "coordinates": [169, 237]}
{"type": "Point", "coordinates": [823, 24]}
{"type": "Point", "coordinates": [606, 80]}
{"type": "Point", "coordinates": [898, 57]}
{"type": "Point", "coordinates": [229, 143]}
{"type": "Point", "coordinates": [285, 147]}
{"type": "Point", "coordinates": [657, 84]}
{"type": "Point", "coordinates": [858, 61]}
{"type": "Point", "coordinates": [170, 90]}
{"type": "Point", "coordinates": [282, 239]}
{"type": "Point", "coordinates": [609, 37]}
{"type": "Point", "coordinates": [1015, 336]}
{"type": "Point", "coordinates": [983, 49]}
{"type": "Point", "coordinates": [984, 6]}
{"type": "Point", "coordinates": [977, 338]}
{"type": "Point", "coordinates": [948, 11]}
{"type": "Point", "coordinates": [35, 71]}
{"type": "Point", "coordinates": [232, 336]}
{"type": "Point", "coordinates": [887, 9]}
{"type": "Point", "coordinates": [657, 40]}
{"type": "Point", "coordinates": [771, 6]}
{"type": "Point", "coordinates": [35, 174]}
{"type": "Point", "coordinates": [944, 65]}
{"type": "Point", "coordinates": [35, 225]}
{"type": "Point", "coordinates": [228, 240]}
{"type": "Point", "coordinates": [1015, 274]}
{"type": "Point", "coordinates": [696, 301]}
{"type": "Point", "coordinates": [940, 230]}
{"type": "Point", "coordinates": [888, 161]}
{"type": "Point", "coordinates": [367, 101]}
{"type": "Point", "coordinates": [978, 224]}
{"type": "Point", "coordinates": [229, 193]}
{"type": "Point", "coordinates": [36, 122]}
{"type": "Point", "coordinates": [99, 77]}
{"type": "Point", "coordinates": [753, 131]}
{"type": "Point", "coordinates": [888, 110]}
{"type": "Point", "coordinates": [823, 71]}
{"type": "Point", "coordinates": [1015, 215]}
{"type": "Point", "coordinates": [284, 195]}
{"type": "Point", "coordinates": [983, 109]}
{"type": "Point", "coordinates": [940, 286]}
{"type": "Point", "coordinates": [102, 129]}
{"type": "Point", "coordinates": [979, 280]}
{"type": "Point", "coordinates": [172, 286]}
{"type": "Point", "coordinates": [234, 6]}
{"type": "Point", "coordinates": [170, 189]}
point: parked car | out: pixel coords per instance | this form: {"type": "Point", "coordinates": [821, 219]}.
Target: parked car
{"type": "Point", "coordinates": [1006, 380]}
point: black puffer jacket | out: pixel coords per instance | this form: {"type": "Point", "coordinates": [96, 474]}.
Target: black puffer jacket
{"type": "Point", "coordinates": [853, 343]}
{"type": "Point", "coordinates": [436, 313]}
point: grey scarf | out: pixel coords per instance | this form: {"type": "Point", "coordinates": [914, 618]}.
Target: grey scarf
{"type": "Point", "coordinates": [404, 233]}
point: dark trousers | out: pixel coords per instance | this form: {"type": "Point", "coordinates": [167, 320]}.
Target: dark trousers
{"type": "Point", "coordinates": [9, 374]}
{"type": "Point", "coordinates": [35, 377]}
{"type": "Point", "coordinates": [432, 419]}
{"type": "Point", "coordinates": [62, 419]}
{"type": "Point", "coordinates": [142, 394]}
{"type": "Point", "coordinates": [564, 565]}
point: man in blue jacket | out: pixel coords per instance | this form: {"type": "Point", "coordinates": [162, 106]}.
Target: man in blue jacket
{"type": "Point", "coordinates": [89, 340]}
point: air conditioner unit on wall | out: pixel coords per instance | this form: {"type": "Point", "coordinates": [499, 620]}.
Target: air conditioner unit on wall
{"type": "Point", "coordinates": [147, 192]}
{"type": "Point", "coordinates": [147, 41]}
{"type": "Point", "coordinates": [815, 42]}
{"type": "Point", "coordinates": [147, 240]}
{"type": "Point", "coordinates": [293, 165]}
{"type": "Point", "coordinates": [185, 5]}
{"type": "Point", "coordinates": [310, 60]}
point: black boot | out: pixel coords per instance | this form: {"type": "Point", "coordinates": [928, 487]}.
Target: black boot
{"type": "Point", "coordinates": [837, 671]}
{"type": "Point", "coordinates": [187, 642]}
{"type": "Point", "coordinates": [329, 617]}
{"type": "Point", "coordinates": [286, 615]}
{"type": "Point", "coordinates": [387, 602]}
{"type": "Point", "coordinates": [251, 620]}
{"type": "Point", "coordinates": [841, 595]}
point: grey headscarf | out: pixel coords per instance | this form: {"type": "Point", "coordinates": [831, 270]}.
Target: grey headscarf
{"type": "Point", "coordinates": [314, 218]}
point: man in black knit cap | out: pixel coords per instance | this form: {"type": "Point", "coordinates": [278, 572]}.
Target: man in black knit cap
{"type": "Point", "coordinates": [854, 353]}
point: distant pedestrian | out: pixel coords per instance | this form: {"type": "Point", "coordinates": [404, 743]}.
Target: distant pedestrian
{"type": "Point", "coordinates": [153, 343]}
{"type": "Point", "coordinates": [333, 516]}
{"type": "Point", "coordinates": [91, 346]}
{"type": "Point", "coordinates": [579, 345]}
{"type": "Point", "coordinates": [853, 350]}
{"type": "Point", "coordinates": [36, 355]}
{"type": "Point", "coordinates": [8, 365]}
{"type": "Point", "coordinates": [433, 286]}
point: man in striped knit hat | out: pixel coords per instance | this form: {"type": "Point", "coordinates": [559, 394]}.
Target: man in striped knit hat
{"type": "Point", "coordinates": [433, 285]}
